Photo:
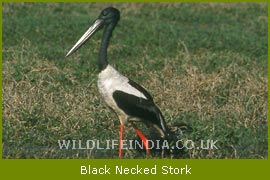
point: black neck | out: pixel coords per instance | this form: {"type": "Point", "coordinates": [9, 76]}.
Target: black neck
{"type": "Point", "coordinates": [102, 58]}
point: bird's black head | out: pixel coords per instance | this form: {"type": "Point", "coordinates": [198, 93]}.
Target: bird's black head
{"type": "Point", "coordinates": [110, 15]}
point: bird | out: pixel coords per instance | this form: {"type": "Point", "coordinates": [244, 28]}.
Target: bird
{"type": "Point", "coordinates": [130, 101]}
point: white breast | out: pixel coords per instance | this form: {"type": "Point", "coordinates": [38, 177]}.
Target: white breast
{"type": "Point", "coordinates": [110, 80]}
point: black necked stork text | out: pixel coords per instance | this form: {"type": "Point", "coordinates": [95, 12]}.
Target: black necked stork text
{"type": "Point", "coordinates": [129, 100]}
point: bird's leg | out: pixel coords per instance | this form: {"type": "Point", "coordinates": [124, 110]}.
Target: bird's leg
{"type": "Point", "coordinates": [143, 138]}
{"type": "Point", "coordinates": [121, 139]}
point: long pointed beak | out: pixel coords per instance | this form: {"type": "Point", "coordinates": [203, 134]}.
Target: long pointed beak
{"type": "Point", "coordinates": [89, 33]}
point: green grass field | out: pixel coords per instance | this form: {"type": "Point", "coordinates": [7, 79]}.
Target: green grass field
{"type": "Point", "coordinates": [205, 65]}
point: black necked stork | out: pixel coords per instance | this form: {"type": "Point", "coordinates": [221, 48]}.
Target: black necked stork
{"type": "Point", "coordinates": [129, 100]}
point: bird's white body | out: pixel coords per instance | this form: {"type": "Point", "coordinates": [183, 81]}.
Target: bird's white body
{"type": "Point", "coordinates": [109, 81]}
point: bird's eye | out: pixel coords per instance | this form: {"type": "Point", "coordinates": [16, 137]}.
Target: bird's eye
{"type": "Point", "coordinates": [105, 13]}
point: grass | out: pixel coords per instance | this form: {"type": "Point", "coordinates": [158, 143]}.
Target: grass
{"type": "Point", "coordinates": [205, 65]}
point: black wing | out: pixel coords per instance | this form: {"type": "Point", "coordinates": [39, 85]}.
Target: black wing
{"type": "Point", "coordinates": [139, 107]}
{"type": "Point", "coordinates": [141, 89]}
